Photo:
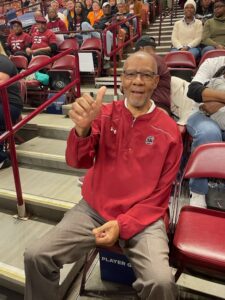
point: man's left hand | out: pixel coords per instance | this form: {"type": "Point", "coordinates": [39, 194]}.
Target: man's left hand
{"type": "Point", "coordinates": [107, 234]}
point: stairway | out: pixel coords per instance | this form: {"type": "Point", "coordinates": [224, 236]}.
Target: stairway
{"type": "Point", "coordinates": [49, 186]}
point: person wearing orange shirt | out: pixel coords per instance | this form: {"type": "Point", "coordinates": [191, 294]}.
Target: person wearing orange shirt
{"type": "Point", "coordinates": [96, 14]}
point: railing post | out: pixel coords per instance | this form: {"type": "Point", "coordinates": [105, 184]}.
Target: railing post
{"type": "Point", "coordinates": [8, 124]}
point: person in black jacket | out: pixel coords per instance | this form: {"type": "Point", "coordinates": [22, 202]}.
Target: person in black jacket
{"type": "Point", "coordinates": [101, 24]}
{"type": "Point", "coordinates": [8, 70]}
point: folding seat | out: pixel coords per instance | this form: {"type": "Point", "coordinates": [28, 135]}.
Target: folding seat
{"type": "Point", "coordinates": [69, 44]}
{"type": "Point", "coordinates": [199, 243]}
{"type": "Point", "coordinates": [94, 45]}
{"type": "Point", "coordinates": [20, 61]}
{"type": "Point", "coordinates": [37, 93]}
{"type": "Point", "coordinates": [211, 54]}
{"type": "Point", "coordinates": [181, 64]}
{"type": "Point", "coordinates": [62, 72]}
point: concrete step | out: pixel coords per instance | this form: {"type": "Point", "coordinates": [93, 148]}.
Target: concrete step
{"type": "Point", "coordinates": [46, 194]}
{"type": "Point", "coordinates": [44, 153]}
{"type": "Point", "coordinates": [15, 237]}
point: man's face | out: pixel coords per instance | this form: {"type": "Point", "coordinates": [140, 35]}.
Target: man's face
{"type": "Point", "coordinates": [121, 8]}
{"type": "Point", "coordinates": [189, 11]}
{"type": "Point", "coordinates": [138, 88]}
{"type": "Point", "coordinates": [219, 9]}
{"type": "Point", "coordinates": [17, 28]}
{"type": "Point", "coordinates": [88, 2]}
{"type": "Point", "coordinates": [41, 27]}
{"type": "Point", "coordinates": [106, 10]}
{"type": "Point", "coordinates": [52, 14]}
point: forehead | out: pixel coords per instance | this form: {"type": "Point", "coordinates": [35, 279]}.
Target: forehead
{"type": "Point", "coordinates": [144, 63]}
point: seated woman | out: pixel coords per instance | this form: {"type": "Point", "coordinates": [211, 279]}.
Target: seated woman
{"type": "Point", "coordinates": [187, 33]}
{"type": "Point", "coordinates": [96, 14]}
{"type": "Point", "coordinates": [204, 10]}
{"type": "Point", "coordinates": [55, 24]}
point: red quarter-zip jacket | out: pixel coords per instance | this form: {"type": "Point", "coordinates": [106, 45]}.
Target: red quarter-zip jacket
{"type": "Point", "coordinates": [132, 164]}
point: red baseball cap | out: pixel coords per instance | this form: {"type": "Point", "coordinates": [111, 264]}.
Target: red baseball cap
{"type": "Point", "coordinates": [40, 19]}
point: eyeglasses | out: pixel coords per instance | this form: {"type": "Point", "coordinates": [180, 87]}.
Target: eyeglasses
{"type": "Point", "coordinates": [144, 75]}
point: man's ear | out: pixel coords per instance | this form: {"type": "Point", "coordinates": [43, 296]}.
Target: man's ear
{"type": "Point", "coordinates": [156, 80]}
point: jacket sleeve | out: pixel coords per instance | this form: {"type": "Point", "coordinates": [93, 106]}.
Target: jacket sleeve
{"type": "Point", "coordinates": [206, 40]}
{"type": "Point", "coordinates": [175, 40]}
{"type": "Point", "coordinates": [138, 217]}
{"type": "Point", "coordinates": [80, 152]}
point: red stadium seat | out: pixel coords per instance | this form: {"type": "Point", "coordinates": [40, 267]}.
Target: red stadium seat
{"type": "Point", "coordinates": [199, 244]}
{"type": "Point", "coordinates": [181, 64]}
{"type": "Point", "coordinates": [19, 61]}
{"type": "Point", "coordinates": [94, 45]}
{"type": "Point", "coordinates": [180, 59]}
{"type": "Point", "coordinates": [69, 44]}
{"type": "Point", "coordinates": [211, 54]}
{"type": "Point", "coordinates": [37, 60]}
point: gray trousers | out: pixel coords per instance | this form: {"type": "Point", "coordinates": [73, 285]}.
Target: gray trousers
{"type": "Point", "coordinates": [70, 239]}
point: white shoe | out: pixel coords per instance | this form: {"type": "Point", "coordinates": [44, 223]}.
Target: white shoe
{"type": "Point", "coordinates": [198, 200]}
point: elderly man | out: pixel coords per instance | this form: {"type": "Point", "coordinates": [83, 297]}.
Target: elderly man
{"type": "Point", "coordinates": [133, 150]}
{"type": "Point", "coordinates": [43, 40]}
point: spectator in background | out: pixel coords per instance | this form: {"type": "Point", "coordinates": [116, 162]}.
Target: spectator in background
{"type": "Point", "coordinates": [55, 5]}
{"type": "Point", "coordinates": [200, 126]}
{"type": "Point", "coordinates": [70, 15]}
{"type": "Point", "coordinates": [204, 10]}
{"type": "Point", "coordinates": [34, 5]}
{"type": "Point", "coordinates": [55, 24]}
{"type": "Point", "coordinates": [113, 7]}
{"type": "Point", "coordinates": [8, 70]}
{"type": "Point", "coordinates": [214, 29]}
{"type": "Point", "coordinates": [101, 24]}
{"type": "Point", "coordinates": [88, 6]}
{"type": "Point", "coordinates": [34, 27]}
{"type": "Point", "coordinates": [96, 14]}
{"type": "Point", "coordinates": [25, 3]}
{"type": "Point", "coordinates": [187, 33]}
{"type": "Point", "coordinates": [43, 40]}
{"type": "Point", "coordinates": [17, 41]}
{"type": "Point", "coordinates": [161, 95]}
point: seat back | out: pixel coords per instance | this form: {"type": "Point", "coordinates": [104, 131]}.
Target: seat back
{"type": "Point", "coordinates": [211, 54]}
{"type": "Point", "coordinates": [180, 59]}
{"type": "Point", "coordinates": [66, 62]}
{"type": "Point", "coordinates": [207, 160]}
{"type": "Point", "coordinates": [92, 44]}
{"type": "Point", "coordinates": [69, 44]}
{"type": "Point", "coordinates": [37, 60]}
{"type": "Point", "coordinates": [19, 61]}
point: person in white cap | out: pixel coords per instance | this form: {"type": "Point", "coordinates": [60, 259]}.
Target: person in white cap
{"type": "Point", "coordinates": [187, 32]}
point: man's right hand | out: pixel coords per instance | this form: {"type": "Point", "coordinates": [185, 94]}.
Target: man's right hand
{"type": "Point", "coordinates": [84, 110]}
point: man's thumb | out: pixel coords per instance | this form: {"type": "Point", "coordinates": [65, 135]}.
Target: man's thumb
{"type": "Point", "coordinates": [100, 95]}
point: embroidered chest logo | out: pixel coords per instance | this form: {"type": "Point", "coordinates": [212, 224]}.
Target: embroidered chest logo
{"type": "Point", "coordinates": [149, 140]}
{"type": "Point", "coordinates": [113, 130]}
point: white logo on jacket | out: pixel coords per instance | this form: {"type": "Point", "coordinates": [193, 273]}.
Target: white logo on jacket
{"type": "Point", "coordinates": [149, 140]}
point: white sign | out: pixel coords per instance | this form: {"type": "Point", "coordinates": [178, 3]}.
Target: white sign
{"type": "Point", "coordinates": [86, 62]}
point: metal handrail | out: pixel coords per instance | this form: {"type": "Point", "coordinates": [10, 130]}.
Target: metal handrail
{"type": "Point", "coordinates": [11, 130]}
{"type": "Point", "coordinates": [116, 49]}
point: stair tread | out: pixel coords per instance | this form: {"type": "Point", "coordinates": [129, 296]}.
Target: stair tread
{"type": "Point", "coordinates": [61, 187]}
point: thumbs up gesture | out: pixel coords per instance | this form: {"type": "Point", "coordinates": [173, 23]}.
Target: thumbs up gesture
{"type": "Point", "coordinates": [85, 109]}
